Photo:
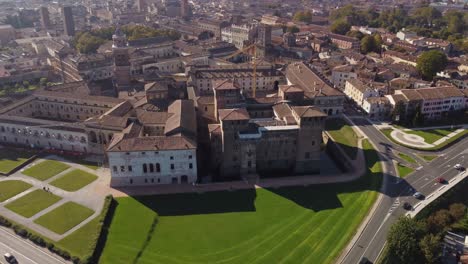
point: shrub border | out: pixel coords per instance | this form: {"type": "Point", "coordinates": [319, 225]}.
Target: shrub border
{"type": "Point", "coordinates": [104, 217]}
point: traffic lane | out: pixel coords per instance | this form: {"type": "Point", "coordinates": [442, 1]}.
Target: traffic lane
{"type": "Point", "coordinates": [371, 236]}
{"type": "Point", "coordinates": [371, 233]}
{"type": "Point", "coordinates": [23, 251]}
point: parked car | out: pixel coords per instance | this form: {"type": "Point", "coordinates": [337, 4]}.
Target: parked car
{"type": "Point", "coordinates": [440, 180]}
{"type": "Point", "coordinates": [418, 195]}
{"type": "Point", "coordinates": [458, 167]}
{"type": "Point", "coordinates": [407, 206]}
{"type": "Point", "coordinates": [10, 258]}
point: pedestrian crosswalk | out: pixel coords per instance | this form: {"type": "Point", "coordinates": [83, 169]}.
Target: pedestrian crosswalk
{"type": "Point", "coordinates": [394, 205]}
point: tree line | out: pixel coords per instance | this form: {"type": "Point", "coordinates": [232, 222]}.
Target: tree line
{"type": "Point", "coordinates": [87, 42]}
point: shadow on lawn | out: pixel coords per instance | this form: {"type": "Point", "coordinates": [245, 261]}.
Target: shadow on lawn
{"type": "Point", "coordinates": [203, 203]}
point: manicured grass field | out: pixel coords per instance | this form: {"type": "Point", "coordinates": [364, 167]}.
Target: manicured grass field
{"type": "Point", "coordinates": [403, 171]}
{"type": "Point", "coordinates": [82, 242]}
{"type": "Point", "coordinates": [74, 180]}
{"type": "Point", "coordinates": [32, 203]}
{"type": "Point", "coordinates": [428, 157]}
{"type": "Point", "coordinates": [46, 169]}
{"type": "Point", "coordinates": [64, 217]}
{"type": "Point", "coordinates": [11, 188]}
{"type": "Point", "coordinates": [10, 159]}
{"type": "Point", "coordinates": [432, 135]}
{"type": "Point", "coordinates": [295, 224]}
{"type": "Point", "coordinates": [406, 157]}
{"type": "Point", "coordinates": [344, 135]}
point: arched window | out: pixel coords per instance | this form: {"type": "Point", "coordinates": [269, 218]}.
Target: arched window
{"type": "Point", "coordinates": [151, 167]}
{"type": "Point", "coordinates": [158, 167]}
{"type": "Point", "coordinates": [145, 168]}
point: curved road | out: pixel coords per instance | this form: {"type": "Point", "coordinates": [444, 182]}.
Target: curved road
{"type": "Point", "coordinates": [397, 191]}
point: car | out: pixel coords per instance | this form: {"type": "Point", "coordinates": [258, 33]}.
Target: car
{"type": "Point", "coordinates": [458, 167]}
{"type": "Point", "coordinates": [440, 180]}
{"type": "Point", "coordinates": [364, 260]}
{"type": "Point", "coordinates": [10, 258]}
{"type": "Point", "coordinates": [418, 195]}
{"type": "Point", "coordinates": [407, 206]}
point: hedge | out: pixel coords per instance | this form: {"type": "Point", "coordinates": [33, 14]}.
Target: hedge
{"type": "Point", "coordinates": [37, 239]}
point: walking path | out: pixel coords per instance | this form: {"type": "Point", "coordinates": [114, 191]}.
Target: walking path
{"type": "Point", "coordinates": [417, 141]}
{"type": "Point", "coordinates": [91, 196]}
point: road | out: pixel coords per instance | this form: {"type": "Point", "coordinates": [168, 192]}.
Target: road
{"type": "Point", "coordinates": [398, 191]}
{"type": "Point", "coordinates": [24, 251]}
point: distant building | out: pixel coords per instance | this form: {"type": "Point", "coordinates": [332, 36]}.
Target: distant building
{"type": "Point", "coordinates": [345, 42]}
{"type": "Point", "coordinates": [45, 19]}
{"type": "Point", "coordinates": [184, 9]}
{"type": "Point", "coordinates": [68, 22]}
{"type": "Point", "coordinates": [7, 34]}
{"type": "Point", "coordinates": [342, 73]}
{"type": "Point", "coordinates": [141, 6]}
{"type": "Point", "coordinates": [239, 35]}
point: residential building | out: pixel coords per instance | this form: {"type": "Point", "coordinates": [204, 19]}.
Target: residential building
{"type": "Point", "coordinates": [357, 91]}
{"type": "Point", "coordinates": [345, 42]}
{"type": "Point", "coordinates": [378, 108]}
{"type": "Point", "coordinates": [239, 35]}
{"type": "Point", "coordinates": [433, 102]}
{"type": "Point", "coordinates": [342, 73]}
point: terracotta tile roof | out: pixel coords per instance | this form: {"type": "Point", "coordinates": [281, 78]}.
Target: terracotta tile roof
{"type": "Point", "coordinates": [153, 144]}
{"type": "Point", "coordinates": [233, 114]}
{"type": "Point", "coordinates": [150, 117]}
{"type": "Point", "coordinates": [308, 80]}
{"type": "Point", "coordinates": [290, 88]}
{"type": "Point", "coordinates": [308, 111]}
{"type": "Point", "coordinates": [182, 118]}
{"type": "Point", "coordinates": [227, 84]}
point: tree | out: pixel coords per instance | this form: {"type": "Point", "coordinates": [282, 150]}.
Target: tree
{"type": "Point", "coordinates": [293, 29]}
{"type": "Point", "coordinates": [439, 221]}
{"type": "Point", "coordinates": [43, 81]}
{"type": "Point", "coordinates": [431, 62]}
{"type": "Point", "coordinates": [367, 44]}
{"type": "Point", "coordinates": [303, 16]}
{"type": "Point", "coordinates": [457, 211]}
{"type": "Point", "coordinates": [355, 34]}
{"type": "Point", "coordinates": [418, 119]}
{"type": "Point", "coordinates": [430, 247]}
{"type": "Point", "coordinates": [87, 43]}
{"type": "Point", "coordinates": [403, 241]}
{"type": "Point", "coordinates": [340, 27]}
{"type": "Point", "coordinates": [398, 112]}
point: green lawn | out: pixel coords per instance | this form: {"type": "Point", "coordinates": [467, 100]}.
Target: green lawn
{"type": "Point", "coordinates": [11, 188]}
{"type": "Point", "coordinates": [74, 180]}
{"type": "Point", "coordinates": [46, 169]}
{"type": "Point", "coordinates": [388, 131]}
{"type": "Point", "coordinates": [32, 203]}
{"type": "Point", "coordinates": [82, 242]}
{"type": "Point", "coordinates": [64, 217]}
{"type": "Point", "coordinates": [344, 135]}
{"type": "Point", "coordinates": [295, 224]}
{"type": "Point", "coordinates": [431, 135]}
{"type": "Point", "coordinates": [10, 159]}
{"type": "Point", "coordinates": [406, 157]}
{"type": "Point", "coordinates": [428, 157]}
{"type": "Point", "coordinates": [403, 171]}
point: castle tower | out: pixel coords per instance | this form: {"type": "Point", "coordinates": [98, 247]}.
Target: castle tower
{"type": "Point", "coordinates": [121, 60]}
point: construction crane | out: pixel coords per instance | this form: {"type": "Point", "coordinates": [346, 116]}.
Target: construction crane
{"type": "Point", "coordinates": [251, 48]}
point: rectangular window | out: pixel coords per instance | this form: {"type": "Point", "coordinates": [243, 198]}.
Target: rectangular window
{"type": "Point", "coordinates": [172, 157]}
{"type": "Point", "coordinates": [129, 168]}
{"type": "Point", "coordinates": [190, 166]}
{"type": "Point", "coordinates": [122, 168]}
{"type": "Point", "coordinates": [172, 166]}
{"type": "Point", "coordinates": [190, 156]}
{"type": "Point", "coordinates": [114, 168]}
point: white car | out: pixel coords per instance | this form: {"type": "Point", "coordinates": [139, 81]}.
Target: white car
{"type": "Point", "coordinates": [458, 167]}
{"type": "Point", "coordinates": [418, 195]}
